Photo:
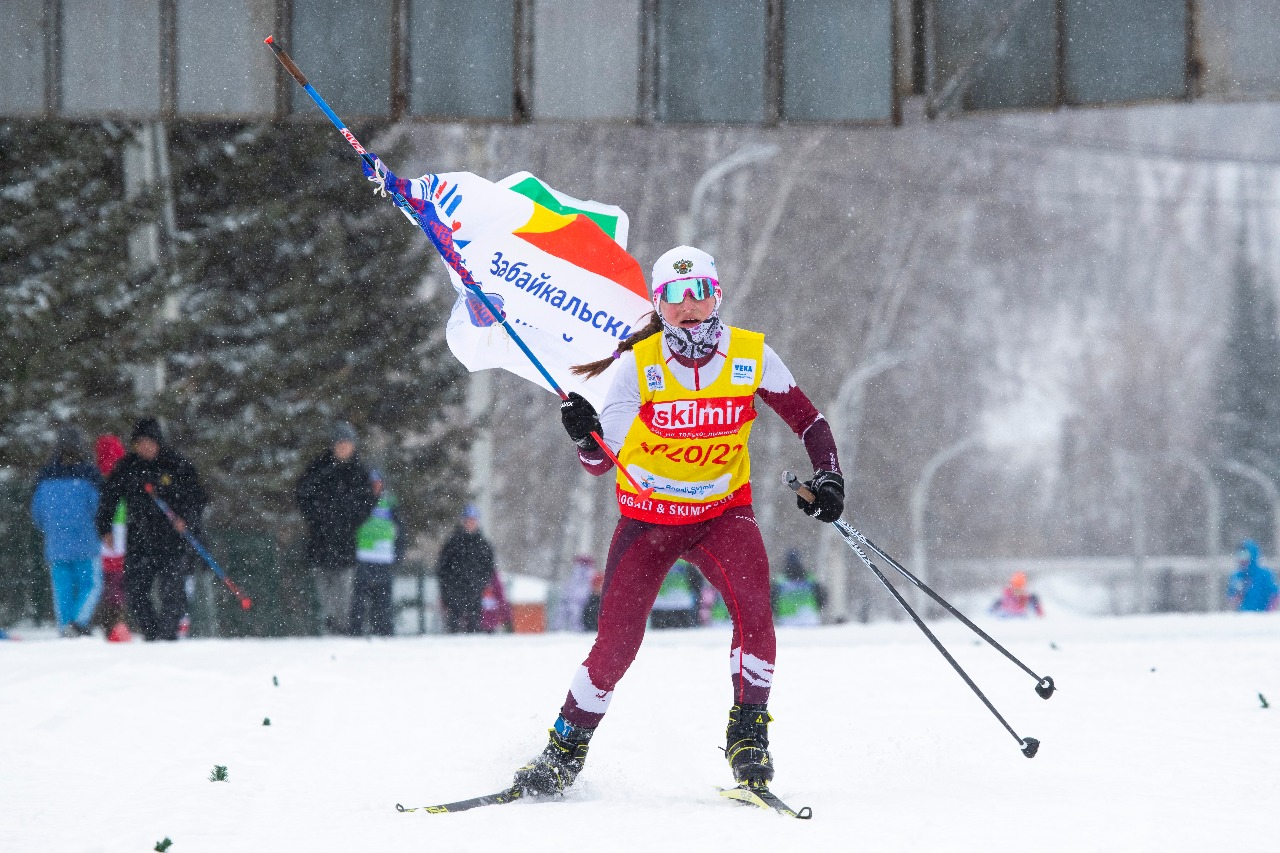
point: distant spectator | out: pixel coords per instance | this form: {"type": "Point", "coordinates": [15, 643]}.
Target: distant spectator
{"type": "Point", "coordinates": [798, 599]}
{"type": "Point", "coordinates": [495, 611]}
{"type": "Point", "coordinates": [574, 594]}
{"type": "Point", "coordinates": [677, 603]}
{"type": "Point", "coordinates": [335, 496]}
{"type": "Point", "coordinates": [1253, 587]}
{"type": "Point", "coordinates": [156, 553]}
{"type": "Point", "coordinates": [464, 569]}
{"type": "Point", "coordinates": [591, 610]}
{"type": "Point", "coordinates": [64, 506]}
{"type": "Point", "coordinates": [377, 549]}
{"type": "Point", "coordinates": [112, 611]}
{"type": "Point", "coordinates": [712, 609]}
{"type": "Point", "coordinates": [1015, 602]}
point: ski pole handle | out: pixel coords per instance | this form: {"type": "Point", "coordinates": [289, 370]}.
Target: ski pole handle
{"type": "Point", "coordinates": [296, 73]}
{"type": "Point", "coordinates": [287, 61]}
{"type": "Point", "coordinates": [799, 488]}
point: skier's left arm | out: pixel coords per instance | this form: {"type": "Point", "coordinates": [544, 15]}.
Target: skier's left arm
{"type": "Point", "coordinates": [779, 391]}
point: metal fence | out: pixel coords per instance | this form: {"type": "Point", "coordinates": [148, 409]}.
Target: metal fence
{"type": "Point", "coordinates": [25, 593]}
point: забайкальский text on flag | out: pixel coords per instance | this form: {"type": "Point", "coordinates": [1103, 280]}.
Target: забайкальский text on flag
{"type": "Point", "coordinates": [556, 267]}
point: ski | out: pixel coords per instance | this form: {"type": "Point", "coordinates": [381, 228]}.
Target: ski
{"type": "Point", "coordinates": [761, 797]}
{"type": "Point", "coordinates": [510, 795]}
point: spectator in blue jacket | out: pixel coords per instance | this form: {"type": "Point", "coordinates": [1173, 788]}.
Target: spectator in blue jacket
{"type": "Point", "coordinates": [1253, 587]}
{"type": "Point", "coordinates": [63, 507]}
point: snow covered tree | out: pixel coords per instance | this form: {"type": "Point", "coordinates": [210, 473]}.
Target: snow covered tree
{"type": "Point", "coordinates": [76, 316]}
{"type": "Point", "coordinates": [303, 302]}
{"type": "Point", "coordinates": [1247, 422]}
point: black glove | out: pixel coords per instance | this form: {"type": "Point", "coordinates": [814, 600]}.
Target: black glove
{"type": "Point", "coordinates": [580, 420]}
{"type": "Point", "coordinates": [828, 496]}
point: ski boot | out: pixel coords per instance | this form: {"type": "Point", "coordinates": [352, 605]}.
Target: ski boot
{"type": "Point", "coordinates": [747, 745]}
{"type": "Point", "coordinates": [558, 764]}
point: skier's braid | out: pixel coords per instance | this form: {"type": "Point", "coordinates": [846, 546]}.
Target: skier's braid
{"type": "Point", "coordinates": [595, 368]}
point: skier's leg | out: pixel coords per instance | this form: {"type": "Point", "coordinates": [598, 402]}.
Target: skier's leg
{"type": "Point", "coordinates": [88, 592]}
{"type": "Point", "coordinates": [639, 558]}
{"type": "Point", "coordinates": [172, 577]}
{"type": "Point", "coordinates": [139, 574]}
{"type": "Point", "coordinates": [60, 581]}
{"type": "Point", "coordinates": [359, 600]}
{"type": "Point", "coordinates": [733, 559]}
{"type": "Point", "coordinates": [380, 609]}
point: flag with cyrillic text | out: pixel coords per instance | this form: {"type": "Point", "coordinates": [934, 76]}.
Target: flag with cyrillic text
{"type": "Point", "coordinates": [555, 266]}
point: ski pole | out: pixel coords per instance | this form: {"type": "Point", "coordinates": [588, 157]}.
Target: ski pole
{"type": "Point", "coordinates": [441, 236]}
{"type": "Point", "coordinates": [1044, 684]}
{"type": "Point", "coordinates": [1030, 746]}
{"type": "Point", "coordinates": [245, 603]}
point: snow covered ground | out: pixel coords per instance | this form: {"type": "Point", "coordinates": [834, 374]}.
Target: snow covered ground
{"type": "Point", "coordinates": [1157, 740]}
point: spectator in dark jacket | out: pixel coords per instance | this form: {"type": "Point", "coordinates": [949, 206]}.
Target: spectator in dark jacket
{"type": "Point", "coordinates": [464, 570]}
{"type": "Point", "coordinates": [157, 553]}
{"type": "Point", "coordinates": [335, 496]}
{"type": "Point", "coordinates": [64, 507]}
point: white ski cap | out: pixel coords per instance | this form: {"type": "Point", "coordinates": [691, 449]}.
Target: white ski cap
{"type": "Point", "coordinates": [682, 262]}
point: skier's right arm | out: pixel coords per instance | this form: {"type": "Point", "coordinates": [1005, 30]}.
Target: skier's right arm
{"type": "Point", "coordinates": [621, 406]}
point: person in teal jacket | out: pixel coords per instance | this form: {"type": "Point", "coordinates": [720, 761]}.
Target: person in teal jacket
{"type": "Point", "coordinates": [797, 599]}
{"type": "Point", "coordinates": [376, 551]}
{"type": "Point", "coordinates": [1253, 587]}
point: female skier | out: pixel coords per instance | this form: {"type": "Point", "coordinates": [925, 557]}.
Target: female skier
{"type": "Point", "coordinates": [678, 415]}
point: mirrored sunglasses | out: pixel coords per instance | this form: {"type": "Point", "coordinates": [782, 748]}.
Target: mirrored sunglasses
{"type": "Point", "coordinates": [675, 291]}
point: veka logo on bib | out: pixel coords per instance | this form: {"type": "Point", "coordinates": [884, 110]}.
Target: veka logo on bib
{"type": "Point", "coordinates": [744, 371]}
{"type": "Point", "coordinates": [700, 418]}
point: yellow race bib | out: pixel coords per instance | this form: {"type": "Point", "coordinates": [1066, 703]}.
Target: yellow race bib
{"type": "Point", "coordinates": [690, 447]}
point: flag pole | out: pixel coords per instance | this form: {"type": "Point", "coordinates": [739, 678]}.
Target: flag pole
{"type": "Point", "coordinates": [441, 236]}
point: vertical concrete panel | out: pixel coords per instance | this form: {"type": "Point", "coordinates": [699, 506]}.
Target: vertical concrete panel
{"type": "Point", "coordinates": [344, 49]}
{"type": "Point", "coordinates": [711, 61]}
{"type": "Point", "coordinates": [1238, 41]}
{"type": "Point", "coordinates": [838, 60]}
{"type": "Point", "coordinates": [586, 59]}
{"type": "Point", "coordinates": [222, 66]}
{"type": "Point", "coordinates": [461, 58]}
{"type": "Point", "coordinates": [110, 57]}
{"type": "Point", "coordinates": [1118, 50]}
{"type": "Point", "coordinates": [22, 67]}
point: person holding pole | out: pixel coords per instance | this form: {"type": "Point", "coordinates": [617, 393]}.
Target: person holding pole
{"type": "Point", "coordinates": [674, 425]}
{"type": "Point", "coordinates": [157, 553]}
{"type": "Point", "coordinates": [678, 416]}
